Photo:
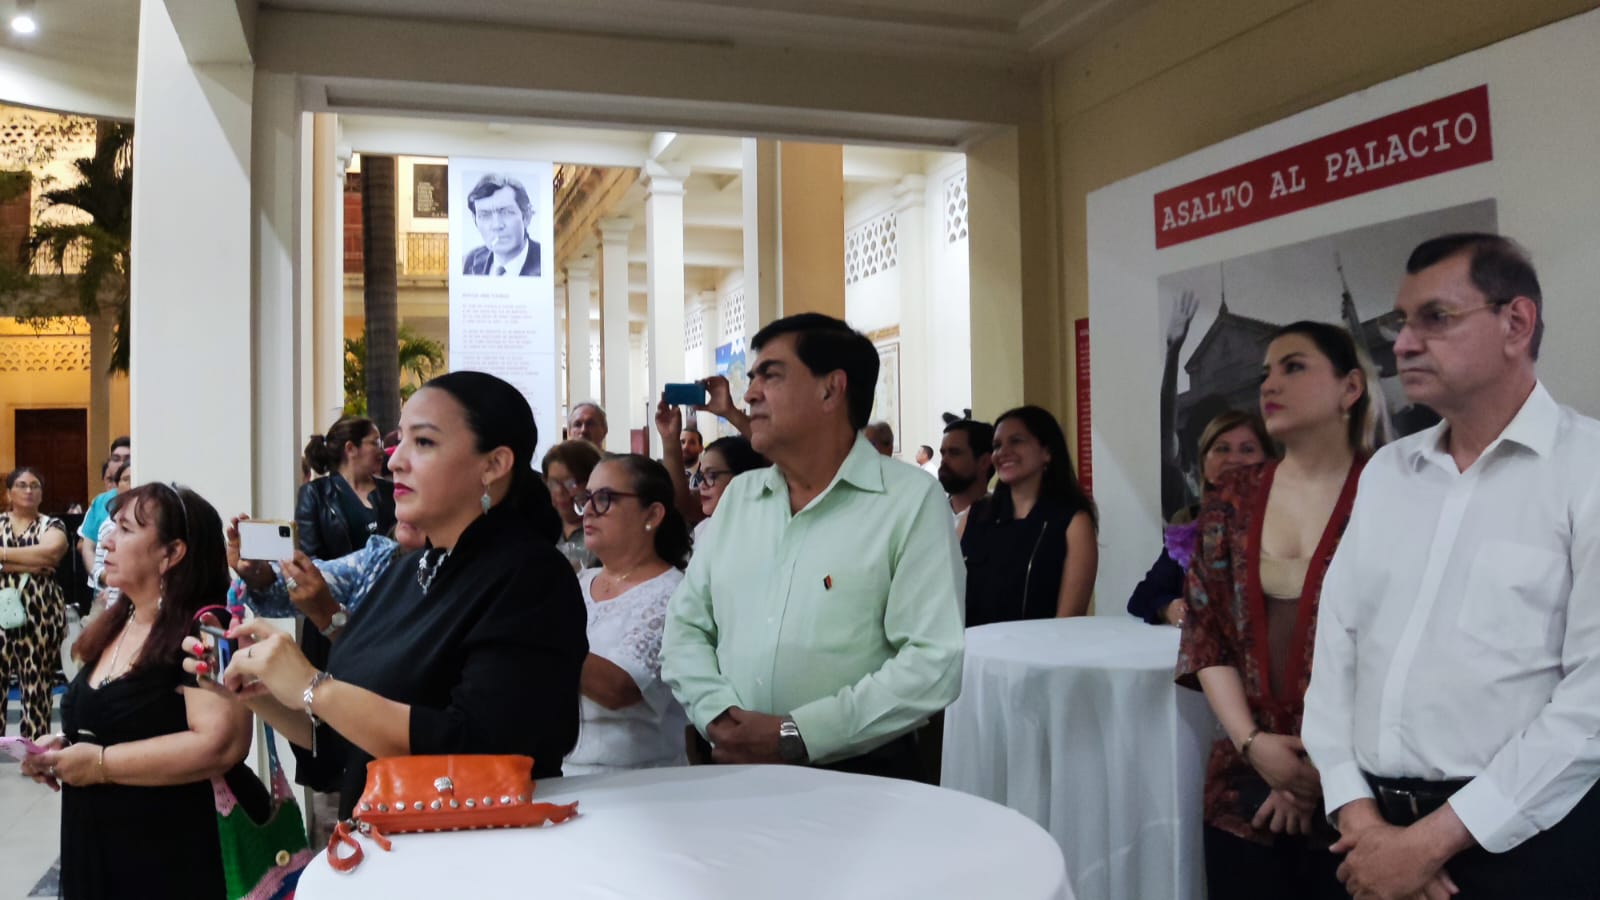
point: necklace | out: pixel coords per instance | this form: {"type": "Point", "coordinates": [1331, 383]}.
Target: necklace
{"type": "Point", "coordinates": [117, 656]}
{"type": "Point", "coordinates": [428, 568]}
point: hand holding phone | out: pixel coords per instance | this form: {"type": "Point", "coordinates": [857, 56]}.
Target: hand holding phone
{"type": "Point", "coordinates": [267, 541]}
{"type": "Point", "coordinates": [684, 394]}
{"type": "Point", "coordinates": [219, 650]}
{"type": "Point", "coordinates": [19, 748]}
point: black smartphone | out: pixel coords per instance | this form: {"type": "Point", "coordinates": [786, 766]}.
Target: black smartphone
{"type": "Point", "coordinates": [684, 394]}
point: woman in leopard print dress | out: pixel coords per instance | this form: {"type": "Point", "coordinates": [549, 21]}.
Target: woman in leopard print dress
{"type": "Point", "coordinates": [31, 545]}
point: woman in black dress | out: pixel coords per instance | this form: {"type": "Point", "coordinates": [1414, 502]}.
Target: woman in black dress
{"type": "Point", "coordinates": [473, 645]}
{"type": "Point", "coordinates": [138, 816]}
{"type": "Point", "coordinates": [1030, 546]}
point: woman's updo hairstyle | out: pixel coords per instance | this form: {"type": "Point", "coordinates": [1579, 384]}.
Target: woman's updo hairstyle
{"type": "Point", "coordinates": [500, 416]}
{"type": "Point", "coordinates": [325, 453]}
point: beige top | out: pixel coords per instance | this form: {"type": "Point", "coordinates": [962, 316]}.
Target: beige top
{"type": "Point", "coordinates": [1282, 581]}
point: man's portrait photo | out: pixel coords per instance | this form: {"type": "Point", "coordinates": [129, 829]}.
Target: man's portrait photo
{"type": "Point", "coordinates": [502, 209]}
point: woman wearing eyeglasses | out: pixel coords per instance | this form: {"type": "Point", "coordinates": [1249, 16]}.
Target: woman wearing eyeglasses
{"type": "Point", "coordinates": [566, 469]}
{"type": "Point", "coordinates": [630, 719]}
{"type": "Point", "coordinates": [31, 546]}
{"type": "Point", "coordinates": [719, 463]}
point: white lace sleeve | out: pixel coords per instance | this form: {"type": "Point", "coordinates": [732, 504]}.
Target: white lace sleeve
{"type": "Point", "coordinates": [646, 615]}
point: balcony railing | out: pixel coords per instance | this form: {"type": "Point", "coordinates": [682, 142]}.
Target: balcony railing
{"type": "Point", "coordinates": [425, 253]}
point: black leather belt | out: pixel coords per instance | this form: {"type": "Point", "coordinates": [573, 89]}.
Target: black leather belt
{"type": "Point", "coordinates": [1403, 801]}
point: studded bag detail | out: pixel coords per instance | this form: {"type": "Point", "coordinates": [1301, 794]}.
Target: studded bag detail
{"type": "Point", "coordinates": [443, 793]}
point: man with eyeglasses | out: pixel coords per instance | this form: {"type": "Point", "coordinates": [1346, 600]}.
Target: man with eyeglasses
{"type": "Point", "coordinates": [821, 621]}
{"type": "Point", "coordinates": [502, 210]}
{"type": "Point", "coordinates": [1454, 707]}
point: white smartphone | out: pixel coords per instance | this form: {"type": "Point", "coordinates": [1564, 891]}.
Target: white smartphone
{"type": "Point", "coordinates": [267, 540]}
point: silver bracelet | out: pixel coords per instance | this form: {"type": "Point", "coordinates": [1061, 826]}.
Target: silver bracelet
{"type": "Point", "coordinates": [306, 700]}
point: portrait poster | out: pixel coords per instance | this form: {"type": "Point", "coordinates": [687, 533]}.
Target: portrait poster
{"type": "Point", "coordinates": [502, 292]}
{"type": "Point", "coordinates": [430, 191]}
{"type": "Point", "coordinates": [886, 394]}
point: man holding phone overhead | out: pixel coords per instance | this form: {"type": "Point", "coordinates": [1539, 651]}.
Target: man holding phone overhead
{"type": "Point", "coordinates": [821, 623]}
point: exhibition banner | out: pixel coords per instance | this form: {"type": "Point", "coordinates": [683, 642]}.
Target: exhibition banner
{"type": "Point", "coordinates": [502, 290]}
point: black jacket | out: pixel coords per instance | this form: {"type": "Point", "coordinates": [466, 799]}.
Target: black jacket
{"type": "Point", "coordinates": [324, 529]}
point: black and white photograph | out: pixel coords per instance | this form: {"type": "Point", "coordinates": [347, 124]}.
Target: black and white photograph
{"type": "Point", "coordinates": [430, 191]}
{"type": "Point", "coordinates": [1217, 319]}
{"type": "Point", "coordinates": [502, 212]}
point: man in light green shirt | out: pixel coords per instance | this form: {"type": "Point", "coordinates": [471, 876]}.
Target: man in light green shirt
{"type": "Point", "coordinates": [821, 620]}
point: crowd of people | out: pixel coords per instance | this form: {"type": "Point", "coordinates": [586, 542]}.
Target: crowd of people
{"type": "Point", "coordinates": [795, 595]}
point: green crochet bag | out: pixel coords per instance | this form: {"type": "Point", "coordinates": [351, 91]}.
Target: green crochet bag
{"type": "Point", "coordinates": [262, 861]}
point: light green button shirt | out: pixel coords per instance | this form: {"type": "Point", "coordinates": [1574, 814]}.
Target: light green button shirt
{"type": "Point", "coordinates": [846, 616]}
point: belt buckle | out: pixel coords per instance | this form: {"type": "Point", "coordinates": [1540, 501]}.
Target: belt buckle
{"type": "Point", "coordinates": [1410, 798]}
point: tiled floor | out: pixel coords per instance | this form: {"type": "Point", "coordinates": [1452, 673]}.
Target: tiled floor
{"type": "Point", "coordinates": [30, 831]}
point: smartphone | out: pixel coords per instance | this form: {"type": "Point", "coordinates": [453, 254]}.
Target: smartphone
{"type": "Point", "coordinates": [684, 394]}
{"type": "Point", "coordinates": [267, 541]}
{"type": "Point", "coordinates": [219, 649]}
{"type": "Point", "coordinates": [19, 748]}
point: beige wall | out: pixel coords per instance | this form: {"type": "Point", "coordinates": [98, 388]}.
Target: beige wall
{"type": "Point", "coordinates": [1179, 76]}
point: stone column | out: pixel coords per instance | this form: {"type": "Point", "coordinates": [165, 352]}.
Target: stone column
{"type": "Point", "coordinates": [709, 309]}
{"type": "Point", "coordinates": [760, 185]}
{"type": "Point", "coordinates": [191, 315]}
{"type": "Point", "coordinates": [919, 422]}
{"type": "Point", "coordinates": [615, 360]}
{"type": "Point", "coordinates": [663, 233]}
{"type": "Point", "coordinates": [811, 233]}
{"type": "Point", "coordinates": [580, 276]}
{"type": "Point", "coordinates": [327, 271]}
{"type": "Point", "coordinates": [995, 258]}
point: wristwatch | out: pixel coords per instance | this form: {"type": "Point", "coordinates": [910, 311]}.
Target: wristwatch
{"type": "Point", "coordinates": [336, 621]}
{"type": "Point", "coordinates": [791, 746]}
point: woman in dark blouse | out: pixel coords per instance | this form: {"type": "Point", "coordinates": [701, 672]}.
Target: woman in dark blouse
{"type": "Point", "coordinates": [473, 645]}
{"type": "Point", "coordinates": [1229, 441]}
{"type": "Point", "coordinates": [1266, 536]}
{"type": "Point", "coordinates": [1030, 547]}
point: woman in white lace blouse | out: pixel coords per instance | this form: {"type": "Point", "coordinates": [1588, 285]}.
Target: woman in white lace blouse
{"type": "Point", "coordinates": [630, 720]}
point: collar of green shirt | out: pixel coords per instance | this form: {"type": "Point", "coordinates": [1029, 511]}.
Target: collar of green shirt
{"type": "Point", "coordinates": [862, 469]}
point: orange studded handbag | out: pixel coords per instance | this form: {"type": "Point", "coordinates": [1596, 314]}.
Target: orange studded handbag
{"type": "Point", "coordinates": [443, 793]}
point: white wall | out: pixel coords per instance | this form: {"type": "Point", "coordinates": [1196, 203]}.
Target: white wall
{"type": "Point", "coordinates": [1541, 179]}
{"type": "Point", "coordinates": [949, 296]}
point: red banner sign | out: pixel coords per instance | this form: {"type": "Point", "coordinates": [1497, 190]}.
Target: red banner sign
{"type": "Point", "coordinates": [1080, 329]}
{"type": "Point", "coordinates": [1446, 134]}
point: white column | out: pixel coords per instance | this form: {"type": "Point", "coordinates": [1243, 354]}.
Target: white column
{"type": "Point", "coordinates": [614, 315]}
{"type": "Point", "coordinates": [275, 233]}
{"type": "Point", "coordinates": [327, 271]}
{"type": "Point", "coordinates": [663, 235]}
{"type": "Point", "coordinates": [639, 387]}
{"type": "Point", "coordinates": [711, 317]}
{"type": "Point", "coordinates": [761, 258]}
{"type": "Point", "coordinates": [191, 280]}
{"type": "Point", "coordinates": [580, 279]}
{"type": "Point", "coordinates": [919, 421]}
{"type": "Point", "coordinates": [564, 358]}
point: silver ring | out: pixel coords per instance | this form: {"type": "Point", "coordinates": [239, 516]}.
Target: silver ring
{"type": "Point", "coordinates": [52, 771]}
{"type": "Point", "coordinates": [249, 652]}
{"type": "Point", "coordinates": [291, 584]}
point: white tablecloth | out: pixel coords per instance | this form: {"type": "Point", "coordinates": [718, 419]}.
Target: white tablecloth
{"type": "Point", "coordinates": [725, 833]}
{"type": "Point", "coordinates": [1076, 723]}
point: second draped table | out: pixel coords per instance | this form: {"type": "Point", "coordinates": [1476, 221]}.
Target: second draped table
{"type": "Point", "coordinates": [725, 833]}
{"type": "Point", "coordinates": [1077, 724]}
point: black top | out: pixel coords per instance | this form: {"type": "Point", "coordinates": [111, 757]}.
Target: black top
{"type": "Point", "coordinates": [118, 840]}
{"type": "Point", "coordinates": [1161, 585]}
{"type": "Point", "coordinates": [1014, 566]}
{"type": "Point", "coordinates": [489, 657]}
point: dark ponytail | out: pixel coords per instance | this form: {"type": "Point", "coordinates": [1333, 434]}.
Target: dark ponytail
{"type": "Point", "coordinates": [1335, 343]}
{"type": "Point", "coordinates": [325, 453]}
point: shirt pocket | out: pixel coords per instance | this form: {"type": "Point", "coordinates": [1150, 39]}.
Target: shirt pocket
{"type": "Point", "coordinates": [1512, 594]}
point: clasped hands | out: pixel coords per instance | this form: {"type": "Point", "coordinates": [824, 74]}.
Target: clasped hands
{"type": "Point", "coordinates": [1296, 786]}
{"type": "Point", "coordinates": [744, 737]}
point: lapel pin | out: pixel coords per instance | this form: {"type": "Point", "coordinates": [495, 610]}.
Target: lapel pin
{"type": "Point", "coordinates": [827, 582]}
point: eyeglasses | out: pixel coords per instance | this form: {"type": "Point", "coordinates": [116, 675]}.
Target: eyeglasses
{"type": "Point", "coordinates": [703, 477]}
{"type": "Point", "coordinates": [28, 486]}
{"type": "Point", "coordinates": [601, 499]}
{"type": "Point", "coordinates": [569, 485]}
{"type": "Point", "coordinates": [1432, 321]}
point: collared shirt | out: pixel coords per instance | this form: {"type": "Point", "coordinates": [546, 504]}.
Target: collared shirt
{"type": "Point", "coordinates": [845, 615]}
{"type": "Point", "coordinates": [512, 266]}
{"type": "Point", "coordinates": [1460, 626]}
{"type": "Point", "coordinates": [99, 512]}
{"type": "Point", "coordinates": [350, 579]}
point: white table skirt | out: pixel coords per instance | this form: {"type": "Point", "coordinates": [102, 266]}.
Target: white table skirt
{"type": "Point", "coordinates": [725, 833]}
{"type": "Point", "coordinates": [1076, 723]}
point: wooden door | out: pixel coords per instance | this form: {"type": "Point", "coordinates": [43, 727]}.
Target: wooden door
{"type": "Point", "coordinates": [56, 443]}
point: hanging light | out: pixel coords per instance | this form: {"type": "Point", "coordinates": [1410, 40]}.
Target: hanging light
{"type": "Point", "coordinates": [23, 22]}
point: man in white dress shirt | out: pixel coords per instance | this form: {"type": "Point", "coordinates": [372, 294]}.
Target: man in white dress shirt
{"type": "Point", "coordinates": [1454, 707]}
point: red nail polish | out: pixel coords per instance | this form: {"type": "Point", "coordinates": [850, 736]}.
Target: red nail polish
{"type": "Point", "coordinates": [202, 669]}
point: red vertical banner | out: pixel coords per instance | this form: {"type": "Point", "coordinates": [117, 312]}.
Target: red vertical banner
{"type": "Point", "coordinates": [1080, 330]}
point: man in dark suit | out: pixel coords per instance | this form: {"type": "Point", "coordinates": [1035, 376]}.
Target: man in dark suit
{"type": "Point", "coordinates": [502, 210]}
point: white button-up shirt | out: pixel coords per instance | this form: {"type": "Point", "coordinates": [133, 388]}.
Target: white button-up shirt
{"type": "Point", "coordinates": [1459, 630]}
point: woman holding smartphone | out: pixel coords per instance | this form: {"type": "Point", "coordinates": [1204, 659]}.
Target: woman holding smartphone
{"type": "Point", "coordinates": [138, 814]}
{"type": "Point", "coordinates": [473, 645]}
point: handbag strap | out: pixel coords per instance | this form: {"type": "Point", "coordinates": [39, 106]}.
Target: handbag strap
{"type": "Point", "coordinates": [343, 833]}
{"type": "Point", "coordinates": [23, 584]}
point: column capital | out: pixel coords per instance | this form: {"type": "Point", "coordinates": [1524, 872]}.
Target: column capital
{"type": "Point", "coordinates": [581, 269]}
{"type": "Point", "coordinates": [664, 180]}
{"type": "Point", "coordinates": [616, 229]}
{"type": "Point", "coordinates": [908, 192]}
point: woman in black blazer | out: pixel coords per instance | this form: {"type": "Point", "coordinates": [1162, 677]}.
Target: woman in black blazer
{"type": "Point", "coordinates": [337, 513]}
